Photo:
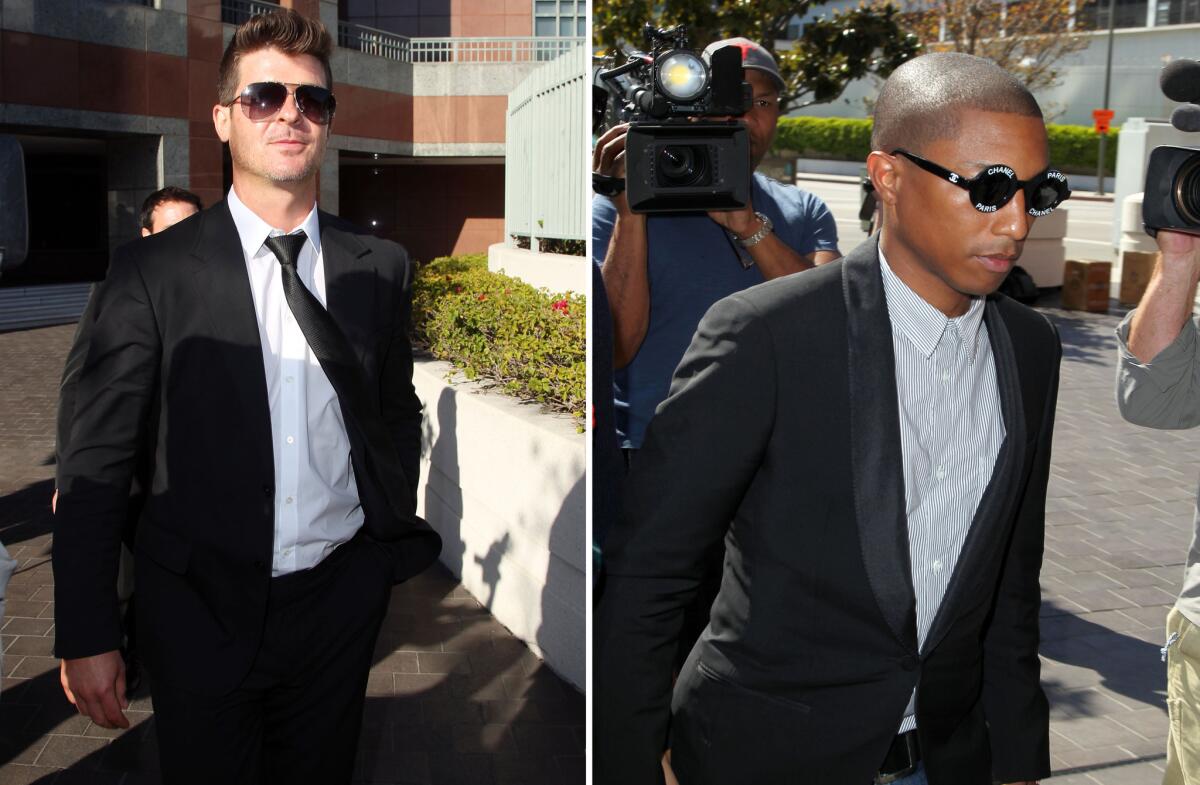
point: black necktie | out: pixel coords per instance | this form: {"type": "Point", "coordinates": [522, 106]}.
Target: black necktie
{"type": "Point", "coordinates": [341, 366]}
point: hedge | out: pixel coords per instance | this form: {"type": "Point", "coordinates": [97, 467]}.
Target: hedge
{"type": "Point", "coordinates": [1073, 148]}
{"type": "Point", "coordinates": [501, 330]}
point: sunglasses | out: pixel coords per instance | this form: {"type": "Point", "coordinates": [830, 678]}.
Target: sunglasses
{"type": "Point", "coordinates": [261, 101]}
{"type": "Point", "coordinates": [992, 188]}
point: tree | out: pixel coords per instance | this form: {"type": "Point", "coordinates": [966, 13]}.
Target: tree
{"type": "Point", "coordinates": [829, 54]}
{"type": "Point", "coordinates": [1025, 37]}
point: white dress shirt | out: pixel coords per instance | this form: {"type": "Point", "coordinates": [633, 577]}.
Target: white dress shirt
{"type": "Point", "coordinates": [951, 429]}
{"type": "Point", "coordinates": [316, 499]}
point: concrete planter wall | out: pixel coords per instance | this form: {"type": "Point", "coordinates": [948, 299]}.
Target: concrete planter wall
{"type": "Point", "coordinates": [556, 272]}
{"type": "Point", "coordinates": [503, 483]}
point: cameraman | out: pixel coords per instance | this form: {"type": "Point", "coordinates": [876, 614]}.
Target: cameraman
{"type": "Point", "coordinates": [662, 273]}
{"type": "Point", "coordinates": [1158, 385]}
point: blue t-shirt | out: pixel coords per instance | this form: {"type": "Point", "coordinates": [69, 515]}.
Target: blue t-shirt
{"type": "Point", "coordinates": [692, 263]}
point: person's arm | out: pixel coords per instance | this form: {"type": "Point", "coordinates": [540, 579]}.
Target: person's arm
{"type": "Point", "coordinates": [66, 387]}
{"type": "Point", "coordinates": [400, 406]}
{"type": "Point", "coordinates": [1014, 704]}
{"type": "Point", "coordinates": [773, 256]}
{"type": "Point", "coordinates": [115, 388]}
{"type": "Point", "coordinates": [1158, 374]}
{"type": "Point", "coordinates": [626, 279]}
{"type": "Point", "coordinates": [701, 452]}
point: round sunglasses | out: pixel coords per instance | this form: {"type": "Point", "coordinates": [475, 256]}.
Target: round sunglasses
{"type": "Point", "coordinates": [261, 101]}
{"type": "Point", "coordinates": [993, 187]}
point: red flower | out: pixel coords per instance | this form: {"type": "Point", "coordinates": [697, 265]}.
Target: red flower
{"type": "Point", "coordinates": [458, 290]}
{"type": "Point", "coordinates": [562, 306]}
{"type": "Point", "coordinates": [481, 297]}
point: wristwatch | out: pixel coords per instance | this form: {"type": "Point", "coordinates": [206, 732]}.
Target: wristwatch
{"type": "Point", "coordinates": [762, 232]}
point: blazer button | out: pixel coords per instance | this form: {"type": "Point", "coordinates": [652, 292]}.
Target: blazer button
{"type": "Point", "coordinates": [267, 490]}
{"type": "Point", "coordinates": [908, 662]}
{"type": "Point", "coordinates": [260, 565]}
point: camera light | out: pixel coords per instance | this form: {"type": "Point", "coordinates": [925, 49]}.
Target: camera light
{"type": "Point", "coordinates": [682, 76]}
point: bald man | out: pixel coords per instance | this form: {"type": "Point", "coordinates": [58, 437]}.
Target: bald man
{"type": "Point", "coordinates": [871, 440]}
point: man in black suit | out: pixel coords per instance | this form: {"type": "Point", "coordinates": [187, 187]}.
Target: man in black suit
{"type": "Point", "coordinates": [258, 353]}
{"type": "Point", "coordinates": [871, 438]}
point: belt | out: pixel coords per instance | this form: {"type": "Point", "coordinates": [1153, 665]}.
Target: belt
{"type": "Point", "coordinates": [901, 760]}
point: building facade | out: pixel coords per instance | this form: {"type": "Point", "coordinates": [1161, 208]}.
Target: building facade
{"type": "Point", "coordinates": [112, 100]}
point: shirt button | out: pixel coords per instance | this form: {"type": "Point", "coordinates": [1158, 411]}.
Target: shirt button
{"type": "Point", "coordinates": [937, 565]}
{"type": "Point", "coordinates": [946, 376]}
{"type": "Point", "coordinates": [289, 500]}
{"type": "Point", "coordinates": [941, 472]}
{"type": "Point", "coordinates": [289, 380]}
{"type": "Point", "coordinates": [290, 439]}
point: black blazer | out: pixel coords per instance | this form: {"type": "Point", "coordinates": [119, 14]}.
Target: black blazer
{"type": "Point", "coordinates": [781, 434]}
{"type": "Point", "coordinates": [172, 368]}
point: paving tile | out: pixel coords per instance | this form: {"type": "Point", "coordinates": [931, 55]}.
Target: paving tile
{"type": "Point", "coordinates": [63, 751]}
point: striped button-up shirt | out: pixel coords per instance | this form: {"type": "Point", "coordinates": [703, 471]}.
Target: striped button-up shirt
{"type": "Point", "coordinates": [951, 429]}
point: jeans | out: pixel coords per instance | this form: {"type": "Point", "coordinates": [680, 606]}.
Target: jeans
{"type": "Point", "coordinates": [916, 778]}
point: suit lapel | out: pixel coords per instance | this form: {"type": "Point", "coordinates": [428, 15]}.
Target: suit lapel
{"type": "Point", "coordinates": [224, 286]}
{"type": "Point", "coordinates": [351, 283]}
{"type": "Point", "coordinates": [992, 521]}
{"type": "Point", "coordinates": [878, 470]}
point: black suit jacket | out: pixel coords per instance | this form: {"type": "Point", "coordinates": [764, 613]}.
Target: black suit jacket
{"type": "Point", "coordinates": [781, 434]}
{"type": "Point", "coordinates": [172, 367]}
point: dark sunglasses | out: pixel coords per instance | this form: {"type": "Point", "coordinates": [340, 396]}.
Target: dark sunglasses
{"type": "Point", "coordinates": [262, 100]}
{"type": "Point", "coordinates": [992, 188]}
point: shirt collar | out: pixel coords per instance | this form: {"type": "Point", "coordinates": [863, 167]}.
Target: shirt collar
{"type": "Point", "coordinates": [921, 323]}
{"type": "Point", "coordinates": [253, 231]}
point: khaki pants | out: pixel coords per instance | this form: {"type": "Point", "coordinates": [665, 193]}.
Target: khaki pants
{"type": "Point", "coordinates": [1183, 702]}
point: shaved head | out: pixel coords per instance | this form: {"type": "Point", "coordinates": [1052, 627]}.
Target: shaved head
{"type": "Point", "coordinates": [921, 102]}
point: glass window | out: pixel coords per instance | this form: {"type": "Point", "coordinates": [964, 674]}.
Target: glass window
{"type": "Point", "coordinates": [545, 7]}
{"type": "Point", "coordinates": [546, 26]}
{"type": "Point", "coordinates": [580, 27]}
{"type": "Point", "coordinates": [565, 27]}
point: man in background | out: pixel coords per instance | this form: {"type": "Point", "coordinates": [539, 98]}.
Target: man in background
{"type": "Point", "coordinates": [167, 207]}
{"type": "Point", "coordinates": [1158, 386]}
{"type": "Point", "coordinates": [663, 272]}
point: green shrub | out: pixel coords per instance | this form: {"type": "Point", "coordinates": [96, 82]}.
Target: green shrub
{"type": "Point", "coordinates": [502, 330]}
{"type": "Point", "coordinates": [1073, 148]}
{"type": "Point", "coordinates": [1076, 148]}
{"type": "Point", "coordinates": [837, 138]}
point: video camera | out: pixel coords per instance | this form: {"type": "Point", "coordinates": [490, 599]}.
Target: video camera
{"type": "Point", "coordinates": [675, 159]}
{"type": "Point", "coordinates": [1172, 198]}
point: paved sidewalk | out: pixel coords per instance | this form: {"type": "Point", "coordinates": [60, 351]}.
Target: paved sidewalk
{"type": "Point", "coordinates": [452, 698]}
{"type": "Point", "coordinates": [1119, 522]}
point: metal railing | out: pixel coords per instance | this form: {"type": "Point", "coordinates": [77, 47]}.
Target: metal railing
{"type": "Point", "coordinates": [546, 145]}
{"type": "Point", "coordinates": [393, 46]}
{"type": "Point", "coordinates": [236, 12]}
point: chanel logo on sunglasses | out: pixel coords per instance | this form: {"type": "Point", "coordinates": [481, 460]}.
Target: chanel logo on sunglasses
{"type": "Point", "coordinates": [997, 184]}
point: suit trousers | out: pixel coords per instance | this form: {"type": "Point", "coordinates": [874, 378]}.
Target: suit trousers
{"type": "Point", "coordinates": [296, 717]}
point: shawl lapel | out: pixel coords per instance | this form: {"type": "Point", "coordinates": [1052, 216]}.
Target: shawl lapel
{"type": "Point", "coordinates": [877, 463]}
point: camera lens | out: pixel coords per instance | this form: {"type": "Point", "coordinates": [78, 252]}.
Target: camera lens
{"type": "Point", "coordinates": [684, 166]}
{"type": "Point", "coordinates": [1187, 190]}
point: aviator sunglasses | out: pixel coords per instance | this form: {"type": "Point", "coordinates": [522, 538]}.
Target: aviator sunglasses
{"type": "Point", "coordinates": [993, 187]}
{"type": "Point", "coordinates": [262, 100]}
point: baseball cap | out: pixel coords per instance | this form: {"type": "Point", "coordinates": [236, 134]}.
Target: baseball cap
{"type": "Point", "coordinates": [753, 56]}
